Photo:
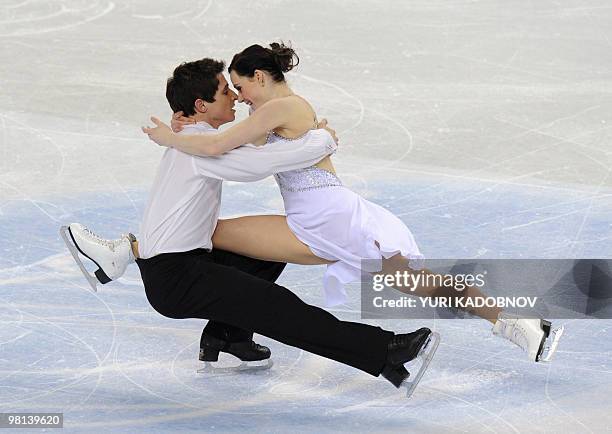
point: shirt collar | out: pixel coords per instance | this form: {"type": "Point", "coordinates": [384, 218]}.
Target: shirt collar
{"type": "Point", "coordinates": [200, 126]}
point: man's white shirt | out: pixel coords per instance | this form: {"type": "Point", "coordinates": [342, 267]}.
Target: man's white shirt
{"type": "Point", "coordinates": [184, 201]}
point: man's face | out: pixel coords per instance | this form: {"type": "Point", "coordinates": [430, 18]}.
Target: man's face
{"type": "Point", "coordinates": [222, 110]}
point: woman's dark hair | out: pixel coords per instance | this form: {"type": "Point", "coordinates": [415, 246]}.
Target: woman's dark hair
{"type": "Point", "coordinates": [191, 81]}
{"type": "Point", "coordinates": [276, 60]}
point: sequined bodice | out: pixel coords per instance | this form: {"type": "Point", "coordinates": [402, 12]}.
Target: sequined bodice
{"type": "Point", "coordinates": [309, 178]}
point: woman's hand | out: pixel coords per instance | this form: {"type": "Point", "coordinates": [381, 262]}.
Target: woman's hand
{"type": "Point", "coordinates": [161, 134]}
{"type": "Point", "coordinates": [323, 124]}
{"type": "Point", "coordinates": [179, 121]}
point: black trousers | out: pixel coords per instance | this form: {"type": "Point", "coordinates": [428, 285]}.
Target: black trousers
{"type": "Point", "coordinates": [266, 270]}
{"type": "Point", "coordinates": [192, 285]}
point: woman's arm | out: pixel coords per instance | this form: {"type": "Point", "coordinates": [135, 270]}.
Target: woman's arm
{"type": "Point", "coordinates": [273, 114]}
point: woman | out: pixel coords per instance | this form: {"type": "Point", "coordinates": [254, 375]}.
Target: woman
{"type": "Point", "coordinates": [326, 223]}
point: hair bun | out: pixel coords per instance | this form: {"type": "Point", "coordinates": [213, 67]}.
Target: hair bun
{"type": "Point", "coordinates": [284, 56]}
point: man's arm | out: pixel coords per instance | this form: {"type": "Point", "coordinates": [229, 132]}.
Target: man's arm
{"type": "Point", "coordinates": [252, 163]}
{"type": "Point", "coordinates": [269, 116]}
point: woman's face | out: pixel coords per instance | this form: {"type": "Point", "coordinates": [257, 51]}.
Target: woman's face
{"type": "Point", "coordinates": [249, 90]}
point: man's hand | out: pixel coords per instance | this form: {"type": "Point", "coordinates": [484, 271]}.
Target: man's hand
{"type": "Point", "coordinates": [160, 134]}
{"type": "Point", "coordinates": [179, 121]}
{"type": "Point", "coordinates": [323, 124]}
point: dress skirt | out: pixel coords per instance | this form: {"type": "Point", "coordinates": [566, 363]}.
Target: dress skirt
{"type": "Point", "coordinates": [339, 225]}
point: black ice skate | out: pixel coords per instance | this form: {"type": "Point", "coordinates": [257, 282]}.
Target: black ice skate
{"type": "Point", "coordinates": [410, 352]}
{"type": "Point", "coordinates": [251, 356]}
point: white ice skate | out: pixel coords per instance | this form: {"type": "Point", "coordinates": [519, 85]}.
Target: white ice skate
{"type": "Point", "coordinates": [111, 256]}
{"type": "Point", "coordinates": [532, 335]}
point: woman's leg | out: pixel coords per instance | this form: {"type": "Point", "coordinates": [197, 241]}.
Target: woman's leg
{"type": "Point", "coordinates": [264, 237]}
{"type": "Point", "coordinates": [399, 263]}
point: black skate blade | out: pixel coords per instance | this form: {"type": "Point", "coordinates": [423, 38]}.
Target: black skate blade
{"type": "Point", "coordinates": [74, 251]}
{"type": "Point", "coordinates": [425, 357]}
{"type": "Point", "coordinates": [226, 368]}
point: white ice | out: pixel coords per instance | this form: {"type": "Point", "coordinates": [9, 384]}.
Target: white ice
{"type": "Point", "coordinates": [485, 125]}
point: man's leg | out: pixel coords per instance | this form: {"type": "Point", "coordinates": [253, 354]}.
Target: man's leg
{"type": "Point", "coordinates": [266, 270]}
{"type": "Point", "coordinates": [225, 332]}
{"type": "Point", "coordinates": [196, 287]}
{"type": "Point", "coordinates": [112, 257]}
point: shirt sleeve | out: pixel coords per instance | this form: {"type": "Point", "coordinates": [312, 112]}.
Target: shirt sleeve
{"type": "Point", "coordinates": [251, 163]}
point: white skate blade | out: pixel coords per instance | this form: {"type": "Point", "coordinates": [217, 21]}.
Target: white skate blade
{"type": "Point", "coordinates": [549, 351]}
{"type": "Point", "coordinates": [425, 356]}
{"type": "Point", "coordinates": [65, 233]}
{"type": "Point", "coordinates": [224, 368]}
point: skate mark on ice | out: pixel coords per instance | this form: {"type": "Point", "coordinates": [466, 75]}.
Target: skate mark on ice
{"type": "Point", "coordinates": [61, 11]}
{"type": "Point", "coordinates": [40, 134]}
{"type": "Point", "coordinates": [539, 129]}
{"type": "Point", "coordinates": [16, 338]}
{"type": "Point", "coordinates": [18, 5]}
{"type": "Point", "coordinates": [99, 361]}
{"type": "Point", "coordinates": [41, 29]}
{"type": "Point", "coordinates": [542, 220]}
{"type": "Point", "coordinates": [495, 165]}
{"type": "Point", "coordinates": [342, 91]}
{"type": "Point", "coordinates": [554, 404]}
{"type": "Point", "coordinates": [409, 147]}
{"type": "Point", "coordinates": [189, 12]}
{"type": "Point", "coordinates": [588, 212]}
{"type": "Point", "coordinates": [71, 383]}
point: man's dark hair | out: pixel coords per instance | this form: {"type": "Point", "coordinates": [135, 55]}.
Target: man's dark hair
{"type": "Point", "coordinates": [191, 81]}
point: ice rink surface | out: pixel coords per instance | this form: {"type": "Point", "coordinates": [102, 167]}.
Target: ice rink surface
{"type": "Point", "coordinates": [484, 125]}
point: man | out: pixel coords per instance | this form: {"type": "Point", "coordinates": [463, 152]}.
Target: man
{"type": "Point", "coordinates": [183, 278]}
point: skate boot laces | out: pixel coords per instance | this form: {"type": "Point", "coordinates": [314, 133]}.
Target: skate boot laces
{"type": "Point", "coordinates": [519, 336]}
{"type": "Point", "coordinates": [512, 329]}
{"type": "Point", "coordinates": [111, 244]}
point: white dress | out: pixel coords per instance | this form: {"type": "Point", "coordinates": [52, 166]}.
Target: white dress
{"type": "Point", "coordinates": [339, 225]}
